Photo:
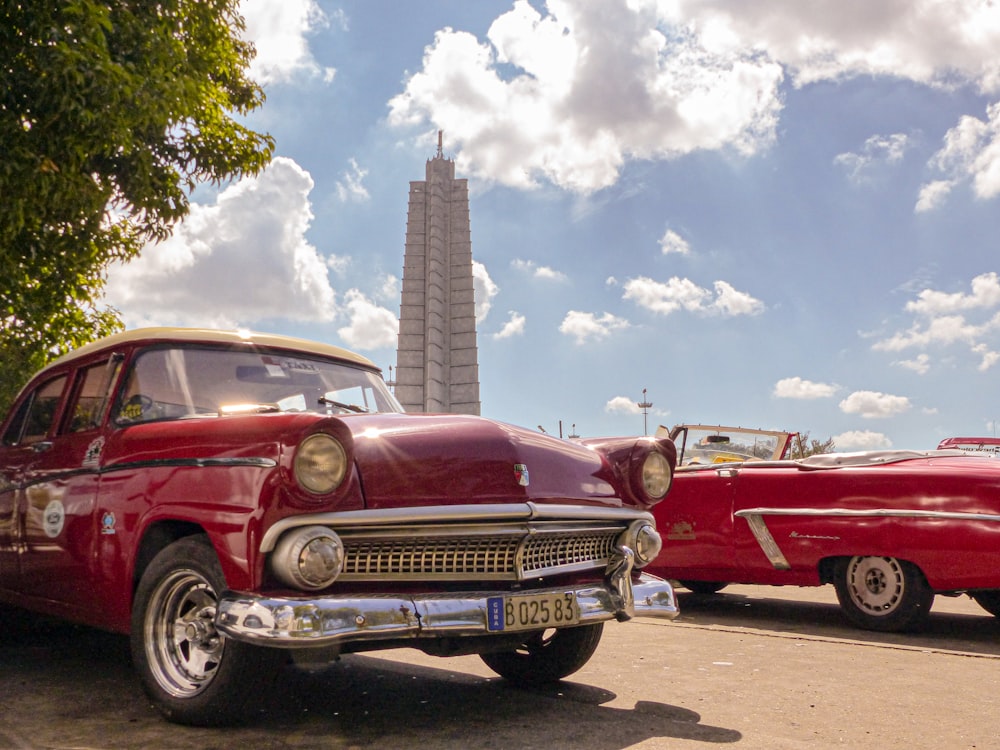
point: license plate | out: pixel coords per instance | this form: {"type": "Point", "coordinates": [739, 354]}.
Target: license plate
{"type": "Point", "coordinates": [531, 611]}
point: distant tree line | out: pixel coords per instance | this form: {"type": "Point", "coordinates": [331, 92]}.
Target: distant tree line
{"type": "Point", "coordinates": [803, 446]}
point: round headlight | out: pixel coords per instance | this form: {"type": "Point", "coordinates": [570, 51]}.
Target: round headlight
{"type": "Point", "coordinates": [656, 475]}
{"type": "Point", "coordinates": [320, 464]}
{"type": "Point", "coordinates": [309, 558]}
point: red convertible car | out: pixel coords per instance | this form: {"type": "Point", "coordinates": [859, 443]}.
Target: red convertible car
{"type": "Point", "coordinates": [229, 498]}
{"type": "Point", "coordinates": [889, 529]}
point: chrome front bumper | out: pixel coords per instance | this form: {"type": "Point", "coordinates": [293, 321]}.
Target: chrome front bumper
{"type": "Point", "coordinates": [331, 620]}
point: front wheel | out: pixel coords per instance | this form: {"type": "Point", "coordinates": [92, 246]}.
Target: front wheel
{"type": "Point", "coordinates": [547, 655]}
{"type": "Point", "coordinates": [882, 593]}
{"type": "Point", "coordinates": [192, 672]}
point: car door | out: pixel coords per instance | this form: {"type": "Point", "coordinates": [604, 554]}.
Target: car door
{"type": "Point", "coordinates": [696, 523]}
{"type": "Point", "coordinates": [59, 522]}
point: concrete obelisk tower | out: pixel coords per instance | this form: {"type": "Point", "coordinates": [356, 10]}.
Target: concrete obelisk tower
{"type": "Point", "coordinates": [437, 362]}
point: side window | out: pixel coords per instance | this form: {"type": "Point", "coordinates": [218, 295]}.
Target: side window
{"type": "Point", "coordinates": [87, 411]}
{"type": "Point", "coordinates": [42, 410]}
{"type": "Point", "coordinates": [12, 436]}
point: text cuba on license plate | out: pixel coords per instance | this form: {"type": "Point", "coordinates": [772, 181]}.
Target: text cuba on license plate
{"type": "Point", "coordinates": [528, 611]}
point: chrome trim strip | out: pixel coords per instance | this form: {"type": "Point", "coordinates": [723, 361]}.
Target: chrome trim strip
{"type": "Point", "coordinates": [254, 461]}
{"type": "Point", "coordinates": [872, 513]}
{"type": "Point", "coordinates": [755, 518]}
{"type": "Point", "coordinates": [59, 476]}
{"type": "Point", "coordinates": [443, 514]}
{"type": "Point", "coordinates": [767, 544]}
{"type": "Point", "coordinates": [332, 620]}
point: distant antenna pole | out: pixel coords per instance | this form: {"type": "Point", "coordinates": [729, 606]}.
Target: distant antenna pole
{"type": "Point", "coordinates": [440, 147]}
{"type": "Point", "coordinates": [645, 406]}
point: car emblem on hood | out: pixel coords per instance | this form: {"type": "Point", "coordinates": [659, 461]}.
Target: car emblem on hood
{"type": "Point", "coordinates": [521, 474]}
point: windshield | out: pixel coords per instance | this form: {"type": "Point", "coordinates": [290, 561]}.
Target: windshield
{"type": "Point", "coordinates": [175, 382]}
{"type": "Point", "coordinates": [698, 444]}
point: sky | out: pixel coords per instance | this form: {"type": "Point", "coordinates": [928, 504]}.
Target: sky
{"type": "Point", "coordinates": [782, 214]}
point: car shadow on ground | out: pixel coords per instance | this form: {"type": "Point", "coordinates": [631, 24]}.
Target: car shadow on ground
{"type": "Point", "coordinates": [966, 632]}
{"type": "Point", "coordinates": [68, 686]}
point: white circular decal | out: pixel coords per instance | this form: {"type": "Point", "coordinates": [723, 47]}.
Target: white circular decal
{"type": "Point", "coordinates": [52, 521]}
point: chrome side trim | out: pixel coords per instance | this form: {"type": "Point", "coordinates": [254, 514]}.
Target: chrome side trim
{"type": "Point", "coordinates": [260, 463]}
{"type": "Point", "coordinates": [755, 518]}
{"type": "Point", "coordinates": [767, 544]}
{"type": "Point", "coordinates": [443, 514]}
{"type": "Point", "coordinates": [871, 513]}
{"type": "Point", "coordinates": [333, 620]}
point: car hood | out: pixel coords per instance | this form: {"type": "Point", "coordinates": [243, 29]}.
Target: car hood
{"type": "Point", "coordinates": [432, 459]}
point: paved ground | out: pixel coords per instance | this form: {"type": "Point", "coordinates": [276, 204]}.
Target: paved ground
{"type": "Point", "coordinates": [753, 668]}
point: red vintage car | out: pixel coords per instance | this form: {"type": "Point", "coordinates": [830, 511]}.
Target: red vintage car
{"type": "Point", "coordinates": [889, 529]}
{"type": "Point", "coordinates": [228, 498]}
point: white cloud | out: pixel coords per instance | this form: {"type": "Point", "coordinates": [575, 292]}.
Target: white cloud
{"type": "Point", "coordinates": [350, 187]}
{"type": "Point", "coordinates": [971, 153]}
{"type": "Point", "coordinates": [570, 93]}
{"type": "Point", "coordinates": [279, 29]}
{"type": "Point", "coordinates": [513, 327]}
{"type": "Point", "coordinates": [874, 405]}
{"type": "Point", "coordinates": [921, 364]}
{"type": "Point", "coordinates": [536, 271]}
{"type": "Point", "coordinates": [586, 327]}
{"type": "Point", "coordinates": [798, 388]}
{"type": "Point", "coordinates": [989, 357]}
{"type": "Point", "coordinates": [338, 263]}
{"type": "Point", "coordinates": [926, 41]}
{"type": "Point", "coordinates": [256, 227]}
{"type": "Point", "coordinates": [678, 293]}
{"type": "Point", "coordinates": [389, 290]}
{"type": "Point", "coordinates": [484, 289]}
{"type": "Point", "coordinates": [861, 440]}
{"type": "Point", "coordinates": [371, 326]}
{"type": "Point", "coordinates": [622, 405]}
{"type": "Point", "coordinates": [671, 242]}
{"type": "Point", "coordinates": [933, 194]}
{"type": "Point", "coordinates": [947, 318]}
{"type": "Point", "coordinates": [985, 294]}
{"type": "Point", "coordinates": [877, 150]}
{"type": "Point", "coordinates": [730, 302]}
{"type": "Point", "coordinates": [568, 96]}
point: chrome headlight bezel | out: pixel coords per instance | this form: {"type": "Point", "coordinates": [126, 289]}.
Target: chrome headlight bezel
{"type": "Point", "coordinates": [654, 476]}
{"type": "Point", "coordinates": [308, 558]}
{"type": "Point", "coordinates": [320, 464]}
{"type": "Point", "coordinates": [644, 540]}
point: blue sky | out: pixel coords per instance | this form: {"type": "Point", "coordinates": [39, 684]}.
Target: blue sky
{"type": "Point", "coordinates": [778, 214]}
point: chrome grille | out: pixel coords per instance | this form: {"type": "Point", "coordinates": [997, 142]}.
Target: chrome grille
{"type": "Point", "coordinates": [478, 556]}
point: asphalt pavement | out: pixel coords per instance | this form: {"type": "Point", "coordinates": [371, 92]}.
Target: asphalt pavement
{"type": "Point", "coordinates": [751, 668]}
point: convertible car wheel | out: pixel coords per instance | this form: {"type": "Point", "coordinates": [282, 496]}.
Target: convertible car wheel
{"type": "Point", "coordinates": [703, 587]}
{"type": "Point", "coordinates": [882, 593]}
{"type": "Point", "coordinates": [546, 656]}
{"type": "Point", "coordinates": [988, 600]}
{"type": "Point", "coordinates": [193, 674]}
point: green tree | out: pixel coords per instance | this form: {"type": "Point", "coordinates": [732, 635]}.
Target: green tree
{"type": "Point", "coordinates": [111, 112]}
{"type": "Point", "coordinates": [802, 446]}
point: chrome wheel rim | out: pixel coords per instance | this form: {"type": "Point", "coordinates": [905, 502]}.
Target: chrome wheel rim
{"type": "Point", "coordinates": [182, 645]}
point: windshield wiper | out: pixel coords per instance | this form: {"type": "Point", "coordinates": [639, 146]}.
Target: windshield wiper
{"type": "Point", "coordinates": [324, 401]}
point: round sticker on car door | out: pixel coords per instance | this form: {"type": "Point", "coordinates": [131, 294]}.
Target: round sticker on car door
{"type": "Point", "coordinates": [53, 519]}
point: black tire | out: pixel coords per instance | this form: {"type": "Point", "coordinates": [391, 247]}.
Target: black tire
{"type": "Point", "coordinates": [546, 655]}
{"type": "Point", "coordinates": [193, 673]}
{"type": "Point", "coordinates": [882, 593]}
{"type": "Point", "coordinates": [703, 587]}
{"type": "Point", "coordinates": [988, 600]}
